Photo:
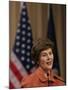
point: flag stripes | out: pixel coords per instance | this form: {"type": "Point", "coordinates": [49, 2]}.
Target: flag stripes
{"type": "Point", "coordinates": [18, 64]}
{"type": "Point", "coordinates": [14, 79]}
{"type": "Point", "coordinates": [15, 71]}
{"type": "Point", "coordinates": [11, 85]}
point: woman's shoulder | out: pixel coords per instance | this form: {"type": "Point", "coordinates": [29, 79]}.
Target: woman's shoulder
{"type": "Point", "coordinates": [59, 79]}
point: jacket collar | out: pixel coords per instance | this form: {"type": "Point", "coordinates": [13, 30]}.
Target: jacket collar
{"type": "Point", "coordinates": [42, 75]}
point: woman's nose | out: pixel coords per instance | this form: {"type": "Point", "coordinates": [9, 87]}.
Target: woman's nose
{"type": "Point", "coordinates": [48, 56]}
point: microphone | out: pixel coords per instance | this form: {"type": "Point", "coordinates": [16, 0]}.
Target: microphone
{"type": "Point", "coordinates": [49, 81]}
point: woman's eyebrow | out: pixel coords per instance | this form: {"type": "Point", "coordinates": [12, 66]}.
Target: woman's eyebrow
{"type": "Point", "coordinates": [43, 52]}
{"type": "Point", "coordinates": [46, 52]}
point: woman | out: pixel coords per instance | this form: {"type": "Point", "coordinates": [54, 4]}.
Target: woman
{"type": "Point", "coordinates": [42, 53]}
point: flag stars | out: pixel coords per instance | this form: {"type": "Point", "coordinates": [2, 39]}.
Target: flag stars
{"type": "Point", "coordinates": [22, 58]}
{"type": "Point", "coordinates": [18, 37]}
{"type": "Point", "coordinates": [23, 42]}
{"type": "Point", "coordinates": [27, 66]}
{"type": "Point", "coordinates": [18, 43]}
{"type": "Point", "coordinates": [23, 32]}
{"type": "Point", "coordinates": [28, 59]}
{"type": "Point", "coordinates": [23, 19]}
{"type": "Point", "coordinates": [28, 53]}
{"type": "Point", "coordinates": [29, 34]}
{"type": "Point", "coordinates": [33, 62]}
{"type": "Point", "coordinates": [29, 28]}
{"type": "Point", "coordinates": [23, 38]}
{"type": "Point", "coordinates": [23, 45]}
{"type": "Point", "coordinates": [28, 47]}
{"type": "Point", "coordinates": [28, 41]}
{"type": "Point", "coordinates": [17, 50]}
{"type": "Point", "coordinates": [23, 51]}
{"type": "Point", "coordinates": [24, 13]}
{"type": "Point", "coordinates": [24, 26]}
{"type": "Point", "coordinates": [18, 30]}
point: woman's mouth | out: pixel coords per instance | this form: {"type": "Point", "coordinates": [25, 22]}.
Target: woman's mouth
{"type": "Point", "coordinates": [49, 63]}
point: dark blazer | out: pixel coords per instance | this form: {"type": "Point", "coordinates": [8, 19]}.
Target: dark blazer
{"type": "Point", "coordinates": [37, 79]}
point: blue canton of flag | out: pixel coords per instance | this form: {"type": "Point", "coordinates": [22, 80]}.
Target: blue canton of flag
{"type": "Point", "coordinates": [23, 43]}
{"type": "Point", "coordinates": [21, 63]}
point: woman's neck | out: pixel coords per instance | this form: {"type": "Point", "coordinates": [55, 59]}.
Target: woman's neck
{"type": "Point", "coordinates": [47, 72]}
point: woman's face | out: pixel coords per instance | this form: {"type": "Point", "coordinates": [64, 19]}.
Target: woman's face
{"type": "Point", "coordinates": [46, 59]}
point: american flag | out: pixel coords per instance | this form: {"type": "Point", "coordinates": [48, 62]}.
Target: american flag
{"type": "Point", "coordinates": [20, 62]}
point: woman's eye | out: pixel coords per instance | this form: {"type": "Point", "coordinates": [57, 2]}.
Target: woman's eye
{"type": "Point", "coordinates": [44, 55]}
{"type": "Point", "coordinates": [50, 53]}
